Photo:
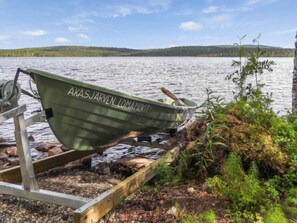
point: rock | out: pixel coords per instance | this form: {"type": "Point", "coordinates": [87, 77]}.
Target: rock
{"type": "Point", "coordinates": [135, 163]}
{"type": "Point", "coordinates": [3, 154]}
{"type": "Point", "coordinates": [106, 171]}
{"type": "Point", "coordinates": [65, 215]}
{"type": "Point", "coordinates": [191, 190]}
{"type": "Point", "coordinates": [31, 138]}
{"type": "Point", "coordinates": [55, 151]}
{"type": "Point", "coordinates": [205, 186]}
{"type": "Point", "coordinates": [65, 148]}
{"type": "Point", "coordinates": [172, 211]}
{"type": "Point", "coordinates": [12, 151]}
{"type": "Point", "coordinates": [44, 147]}
{"type": "Point", "coordinates": [113, 181]}
{"type": "Point", "coordinates": [86, 161]}
{"type": "Point", "coordinates": [13, 162]}
{"type": "Point", "coordinates": [112, 217]}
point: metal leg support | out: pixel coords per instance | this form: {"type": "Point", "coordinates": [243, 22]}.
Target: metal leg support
{"type": "Point", "coordinates": [24, 152]}
{"type": "Point", "coordinates": [29, 188]}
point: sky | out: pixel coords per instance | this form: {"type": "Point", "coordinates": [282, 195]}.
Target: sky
{"type": "Point", "coordinates": [146, 24]}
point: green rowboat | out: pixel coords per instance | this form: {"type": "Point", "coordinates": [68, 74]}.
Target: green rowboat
{"type": "Point", "coordinates": [87, 117]}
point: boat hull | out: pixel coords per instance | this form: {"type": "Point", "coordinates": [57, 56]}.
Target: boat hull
{"type": "Point", "coordinates": [87, 117]}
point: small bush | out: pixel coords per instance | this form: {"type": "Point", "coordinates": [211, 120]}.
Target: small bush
{"type": "Point", "coordinates": [290, 204]}
{"type": "Point", "coordinates": [208, 217]}
{"type": "Point", "coordinates": [164, 174]}
{"type": "Point", "coordinates": [275, 215]}
{"type": "Point", "coordinates": [205, 217]}
{"type": "Point", "coordinates": [244, 191]}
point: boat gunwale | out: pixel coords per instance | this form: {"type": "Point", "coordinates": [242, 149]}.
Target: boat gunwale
{"type": "Point", "coordinates": [45, 74]}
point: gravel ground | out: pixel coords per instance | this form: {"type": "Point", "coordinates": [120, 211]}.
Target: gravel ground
{"type": "Point", "coordinates": [86, 181]}
{"type": "Point", "coordinates": [75, 180]}
{"type": "Point", "coordinates": [145, 205]}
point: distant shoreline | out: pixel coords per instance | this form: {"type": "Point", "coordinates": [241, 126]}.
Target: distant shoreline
{"type": "Point", "coordinates": [181, 51]}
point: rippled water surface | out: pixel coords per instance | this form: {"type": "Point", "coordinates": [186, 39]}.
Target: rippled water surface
{"type": "Point", "coordinates": [143, 76]}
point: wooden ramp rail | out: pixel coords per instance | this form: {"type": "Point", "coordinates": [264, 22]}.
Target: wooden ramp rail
{"type": "Point", "coordinates": [13, 174]}
{"type": "Point", "coordinates": [88, 210]}
{"type": "Point", "coordinates": [97, 208]}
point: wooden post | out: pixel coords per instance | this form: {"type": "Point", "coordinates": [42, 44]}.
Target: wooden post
{"type": "Point", "coordinates": [294, 85]}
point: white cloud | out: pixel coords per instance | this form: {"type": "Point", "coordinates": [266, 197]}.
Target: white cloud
{"type": "Point", "coordinates": [262, 2]}
{"type": "Point", "coordinates": [139, 7]}
{"type": "Point", "coordinates": [159, 3]}
{"type": "Point", "coordinates": [173, 45]}
{"type": "Point", "coordinates": [252, 2]}
{"type": "Point", "coordinates": [61, 40]}
{"type": "Point", "coordinates": [37, 32]}
{"type": "Point", "coordinates": [220, 21]}
{"type": "Point", "coordinates": [129, 10]}
{"type": "Point", "coordinates": [185, 12]}
{"type": "Point", "coordinates": [4, 37]}
{"type": "Point", "coordinates": [215, 9]}
{"type": "Point", "coordinates": [79, 22]}
{"type": "Point", "coordinates": [73, 28]}
{"type": "Point", "coordinates": [190, 26]}
{"type": "Point", "coordinates": [83, 36]}
{"type": "Point", "coordinates": [293, 30]}
{"type": "Point", "coordinates": [210, 9]}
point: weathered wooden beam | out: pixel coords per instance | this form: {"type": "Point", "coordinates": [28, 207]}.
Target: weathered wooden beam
{"type": "Point", "coordinates": [97, 208]}
{"type": "Point", "coordinates": [13, 174]}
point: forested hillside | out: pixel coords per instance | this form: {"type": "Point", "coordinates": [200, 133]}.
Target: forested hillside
{"type": "Point", "coordinates": [83, 51]}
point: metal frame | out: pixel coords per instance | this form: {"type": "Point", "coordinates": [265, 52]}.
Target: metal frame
{"type": "Point", "coordinates": [29, 188]}
{"type": "Point", "coordinates": [87, 210]}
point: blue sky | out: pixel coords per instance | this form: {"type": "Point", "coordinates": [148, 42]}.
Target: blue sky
{"type": "Point", "coordinates": [145, 24]}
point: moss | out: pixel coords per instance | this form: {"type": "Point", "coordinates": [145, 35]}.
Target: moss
{"type": "Point", "coordinates": [275, 215]}
{"type": "Point", "coordinates": [254, 143]}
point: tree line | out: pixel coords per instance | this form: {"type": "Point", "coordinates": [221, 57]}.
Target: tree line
{"type": "Point", "coordinates": [191, 51]}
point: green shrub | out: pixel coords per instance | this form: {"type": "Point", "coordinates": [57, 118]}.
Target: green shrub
{"type": "Point", "coordinates": [205, 217]}
{"type": "Point", "coordinates": [208, 217]}
{"type": "Point", "coordinates": [164, 174]}
{"type": "Point", "coordinates": [248, 151]}
{"type": "Point", "coordinates": [247, 195]}
{"type": "Point", "coordinates": [289, 205]}
{"type": "Point", "coordinates": [275, 215]}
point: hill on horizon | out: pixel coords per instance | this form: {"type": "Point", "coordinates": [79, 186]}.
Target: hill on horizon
{"type": "Point", "coordinates": [94, 51]}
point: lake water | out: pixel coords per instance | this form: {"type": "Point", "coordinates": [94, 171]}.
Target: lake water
{"type": "Point", "coordinates": [143, 76]}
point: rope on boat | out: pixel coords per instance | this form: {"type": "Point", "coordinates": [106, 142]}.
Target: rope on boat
{"type": "Point", "coordinates": [31, 95]}
{"type": "Point", "coordinates": [34, 94]}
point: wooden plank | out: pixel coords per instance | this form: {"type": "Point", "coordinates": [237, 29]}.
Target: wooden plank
{"type": "Point", "coordinates": [97, 208]}
{"type": "Point", "coordinates": [13, 174]}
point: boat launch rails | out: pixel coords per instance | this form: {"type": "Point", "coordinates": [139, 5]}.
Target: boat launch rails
{"type": "Point", "coordinates": [87, 210]}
